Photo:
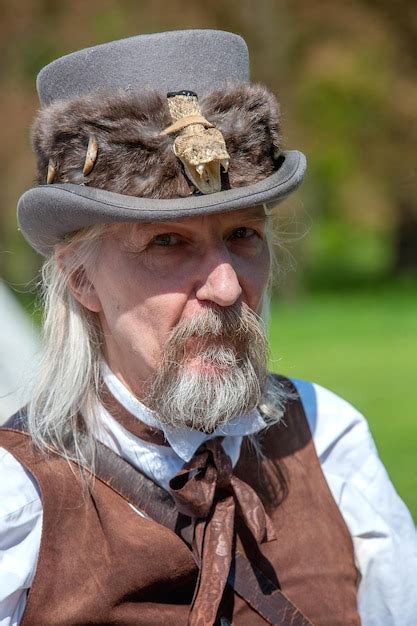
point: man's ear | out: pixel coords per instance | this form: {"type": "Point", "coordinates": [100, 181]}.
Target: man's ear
{"type": "Point", "coordinates": [79, 282]}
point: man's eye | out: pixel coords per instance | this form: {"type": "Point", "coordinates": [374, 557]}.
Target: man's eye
{"type": "Point", "coordinates": [166, 239]}
{"type": "Point", "coordinates": [243, 233]}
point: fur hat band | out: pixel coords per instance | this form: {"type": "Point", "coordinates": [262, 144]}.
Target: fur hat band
{"type": "Point", "coordinates": [120, 142]}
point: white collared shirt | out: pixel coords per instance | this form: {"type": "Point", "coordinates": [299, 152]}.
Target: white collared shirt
{"type": "Point", "coordinates": [382, 530]}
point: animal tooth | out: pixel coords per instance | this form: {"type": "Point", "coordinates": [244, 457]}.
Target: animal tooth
{"type": "Point", "coordinates": [225, 164]}
{"type": "Point", "coordinates": [52, 172]}
{"type": "Point", "coordinates": [91, 155]}
{"type": "Point", "coordinates": [200, 169]}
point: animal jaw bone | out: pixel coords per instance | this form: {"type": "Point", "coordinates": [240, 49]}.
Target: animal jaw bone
{"type": "Point", "coordinates": [202, 156]}
{"type": "Point", "coordinates": [199, 146]}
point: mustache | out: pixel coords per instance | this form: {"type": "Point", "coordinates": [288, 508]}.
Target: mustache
{"type": "Point", "coordinates": [237, 325]}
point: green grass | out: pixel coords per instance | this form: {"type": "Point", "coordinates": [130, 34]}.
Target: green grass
{"type": "Point", "coordinates": [362, 346]}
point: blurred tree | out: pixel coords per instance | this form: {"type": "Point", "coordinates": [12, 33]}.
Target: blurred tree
{"type": "Point", "coordinates": [355, 103]}
{"type": "Point", "coordinates": [401, 20]}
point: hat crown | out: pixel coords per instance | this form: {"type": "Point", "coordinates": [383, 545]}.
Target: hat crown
{"type": "Point", "coordinates": [197, 60]}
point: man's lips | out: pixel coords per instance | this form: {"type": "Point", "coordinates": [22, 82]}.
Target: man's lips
{"type": "Point", "coordinates": [205, 365]}
{"type": "Point", "coordinates": [199, 345]}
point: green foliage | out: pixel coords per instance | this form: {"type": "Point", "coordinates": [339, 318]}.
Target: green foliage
{"type": "Point", "coordinates": [341, 254]}
{"type": "Point", "coordinates": [339, 109]}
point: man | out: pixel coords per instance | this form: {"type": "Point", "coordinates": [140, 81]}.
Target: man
{"type": "Point", "coordinates": [159, 475]}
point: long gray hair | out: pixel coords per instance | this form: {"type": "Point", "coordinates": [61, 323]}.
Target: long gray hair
{"type": "Point", "coordinates": [68, 377]}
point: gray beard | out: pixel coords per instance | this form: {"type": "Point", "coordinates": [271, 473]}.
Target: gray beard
{"type": "Point", "coordinates": [230, 347]}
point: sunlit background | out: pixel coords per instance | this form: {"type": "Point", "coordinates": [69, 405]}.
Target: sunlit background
{"type": "Point", "coordinates": [345, 73]}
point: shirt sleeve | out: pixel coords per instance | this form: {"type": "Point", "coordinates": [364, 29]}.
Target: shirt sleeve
{"type": "Point", "coordinates": [20, 535]}
{"type": "Point", "coordinates": [382, 529]}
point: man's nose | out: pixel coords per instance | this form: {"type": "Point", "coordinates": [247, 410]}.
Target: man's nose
{"type": "Point", "coordinates": [221, 283]}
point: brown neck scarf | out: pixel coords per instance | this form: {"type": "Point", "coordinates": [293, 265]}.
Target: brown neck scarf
{"type": "Point", "coordinates": [206, 490]}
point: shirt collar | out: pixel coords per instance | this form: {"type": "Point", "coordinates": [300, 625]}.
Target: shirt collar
{"type": "Point", "coordinates": [184, 441]}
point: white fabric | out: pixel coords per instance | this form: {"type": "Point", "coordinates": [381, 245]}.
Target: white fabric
{"type": "Point", "coordinates": [383, 532]}
{"type": "Point", "coordinates": [183, 441]}
{"type": "Point", "coordinates": [19, 347]}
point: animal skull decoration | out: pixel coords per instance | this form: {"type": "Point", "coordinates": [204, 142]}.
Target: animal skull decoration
{"type": "Point", "coordinates": [199, 145]}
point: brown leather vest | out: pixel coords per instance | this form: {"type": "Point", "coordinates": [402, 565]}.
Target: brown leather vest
{"type": "Point", "coordinates": [102, 563]}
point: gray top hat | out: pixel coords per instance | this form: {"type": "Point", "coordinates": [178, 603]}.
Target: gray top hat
{"type": "Point", "coordinates": [176, 107]}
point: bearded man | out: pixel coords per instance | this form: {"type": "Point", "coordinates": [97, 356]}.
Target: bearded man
{"type": "Point", "coordinates": [159, 475]}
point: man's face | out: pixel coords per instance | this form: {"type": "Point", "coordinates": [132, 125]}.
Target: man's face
{"type": "Point", "coordinates": [150, 277]}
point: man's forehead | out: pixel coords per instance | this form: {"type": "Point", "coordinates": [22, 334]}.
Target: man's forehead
{"type": "Point", "coordinates": [250, 213]}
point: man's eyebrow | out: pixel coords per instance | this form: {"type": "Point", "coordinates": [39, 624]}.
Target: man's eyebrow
{"type": "Point", "coordinates": [255, 213]}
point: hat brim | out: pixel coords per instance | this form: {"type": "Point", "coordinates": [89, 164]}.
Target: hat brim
{"type": "Point", "coordinates": [49, 212]}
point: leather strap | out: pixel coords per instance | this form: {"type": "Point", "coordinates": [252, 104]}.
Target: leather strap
{"type": "Point", "coordinates": [184, 122]}
{"type": "Point", "coordinates": [128, 421]}
{"type": "Point", "coordinates": [245, 578]}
